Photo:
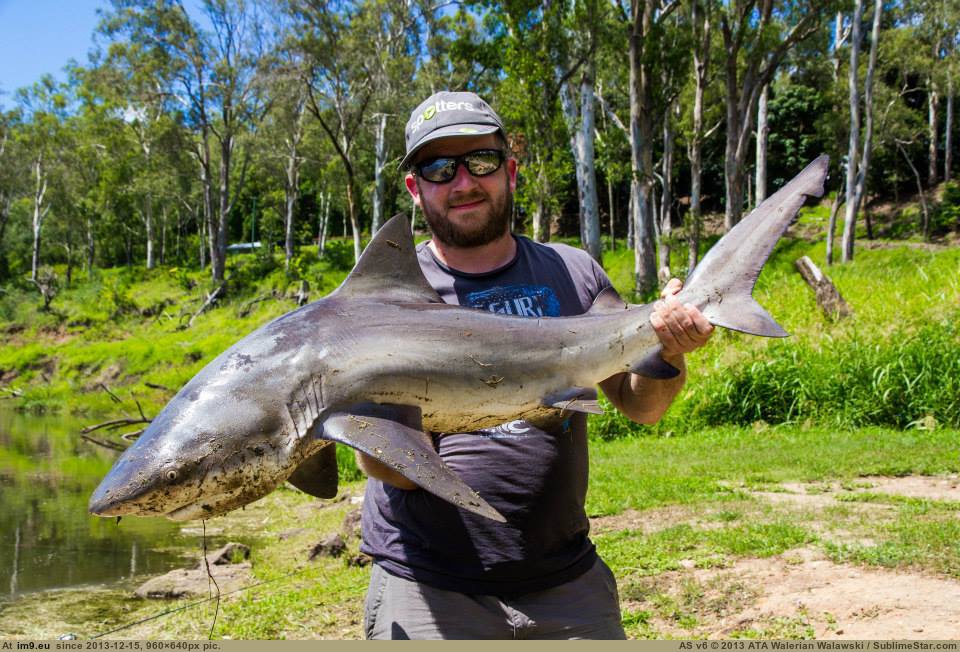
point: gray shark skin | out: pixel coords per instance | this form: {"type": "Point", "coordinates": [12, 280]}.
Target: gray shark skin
{"type": "Point", "coordinates": [382, 359]}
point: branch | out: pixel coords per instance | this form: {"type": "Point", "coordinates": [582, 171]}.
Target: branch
{"type": "Point", "coordinates": [211, 299]}
{"type": "Point", "coordinates": [609, 111]}
{"type": "Point", "coordinates": [114, 423]}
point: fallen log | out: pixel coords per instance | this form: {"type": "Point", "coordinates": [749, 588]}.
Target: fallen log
{"type": "Point", "coordinates": [827, 294]}
{"type": "Point", "coordinates": [211, 299]}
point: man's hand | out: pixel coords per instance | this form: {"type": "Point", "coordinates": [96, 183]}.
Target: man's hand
{"type": "Point", "coordinates": [682, 328]}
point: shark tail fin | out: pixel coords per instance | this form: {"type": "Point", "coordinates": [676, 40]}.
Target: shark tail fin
{"type": "Point", "coordinates": [722, 284]}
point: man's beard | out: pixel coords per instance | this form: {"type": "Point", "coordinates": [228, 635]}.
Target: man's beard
{"type": "Point", "coordinates": [447, 233]}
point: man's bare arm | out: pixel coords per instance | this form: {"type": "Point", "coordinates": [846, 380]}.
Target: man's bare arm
{"type": "Point", "coordinates": [681, 329]}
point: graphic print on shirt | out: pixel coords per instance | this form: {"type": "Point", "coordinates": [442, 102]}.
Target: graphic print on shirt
{"type": "Point", "coordinates": [522, 301]}
{"type": "Point", "coordinates": [519, 300]}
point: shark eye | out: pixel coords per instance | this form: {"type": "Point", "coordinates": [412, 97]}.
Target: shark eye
{"type": "Point", "coordinates": [171, 475]}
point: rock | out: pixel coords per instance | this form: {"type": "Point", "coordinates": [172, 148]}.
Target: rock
{"type": "Point", "coordinates": [194, 582]}
{"type": "Point", "coordinates": [351, 523]}
{"type": "Point", "coordinates": [228, 554]}
{"type": "Point", "coordinates": [332, 546]}
{"type": "Point", "coordinates": [229, 567]}
{"type": "Point", "coordinates": [289, 534]}
{"type": "Point", "coordinates": [359, 560]}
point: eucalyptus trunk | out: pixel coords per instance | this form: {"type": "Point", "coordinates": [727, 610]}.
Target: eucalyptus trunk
{"type": "Point", "coordinates": [853, 149]}
{"type": "Point", "coordinates": [541, 213]}
{"type": "Point", "coordinates": [380, 151]}
{"type": "Point", "coordinates": [701, 63]}
{"type": "Point", "coordinates": [948, 132]}
{"type": "Point", "coordinates": [641, 149]}
{"type": "Point", "coordinates": [933, 109]}
{"type": "Point", "coordinates": [39, 213]}
{"type": "Point", "coordinates": [666, 199]}
{"type": "Point", "coordinates": [148, 225]}
{"type": "Point", "coordinates": [581, 126]}
{"type": "Point", "coordinates": [763, 138]}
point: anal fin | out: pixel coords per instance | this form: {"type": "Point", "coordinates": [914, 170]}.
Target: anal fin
{"type": "Point", "coordinates": [386, 434]}
{"type": "Point", "coordinates": [575, 399]}
{"type": "Point", "coordinates": [652, 365]}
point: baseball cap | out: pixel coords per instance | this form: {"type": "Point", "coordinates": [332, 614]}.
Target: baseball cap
{"type": "Point", "coordinates": [446, 114]}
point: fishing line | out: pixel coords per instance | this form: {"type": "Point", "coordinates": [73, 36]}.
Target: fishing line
{"type": "Point", "coordinates": [210, 578]}
{"type": "Point", "coordinates": [198, 602]}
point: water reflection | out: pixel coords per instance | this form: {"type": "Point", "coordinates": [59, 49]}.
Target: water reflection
{"type": "Point", "coordinates": [47, 538]}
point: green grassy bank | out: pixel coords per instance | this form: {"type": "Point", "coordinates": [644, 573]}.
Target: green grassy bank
{"type": "Point", "coordinates": [661, 507]}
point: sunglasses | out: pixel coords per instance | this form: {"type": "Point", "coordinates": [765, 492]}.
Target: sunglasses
{"type": "Point", "coordinates": [443, 169]}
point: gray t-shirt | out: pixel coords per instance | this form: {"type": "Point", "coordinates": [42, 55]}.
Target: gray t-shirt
{"type": "Point", "coordinates": [536, 479]}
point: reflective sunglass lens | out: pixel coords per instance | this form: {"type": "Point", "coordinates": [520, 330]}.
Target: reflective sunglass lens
{"type": "Point", "coordinates": [439, 170]}
{"type": "Point", "coordinates": [480, 165]}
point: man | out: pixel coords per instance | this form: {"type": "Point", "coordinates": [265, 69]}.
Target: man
{"type": "Point", "coordinates": [441, 572]}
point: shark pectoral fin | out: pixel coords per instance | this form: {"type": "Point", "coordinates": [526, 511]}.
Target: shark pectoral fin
{"type": "Point", "coordinates": [652, 365]}
{"type": "Point", "coordinates": [317, 475]}
{"type": "Point", "coordinates": [375, 431]}
{"type": "Point", "coordinates": [575, 399]}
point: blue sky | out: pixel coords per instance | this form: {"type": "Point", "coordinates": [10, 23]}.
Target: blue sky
{"type": "Point", "coordinates": [40, 36]}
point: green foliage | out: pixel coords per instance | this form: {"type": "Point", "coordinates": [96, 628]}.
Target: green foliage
{"type": "Point", "coordinates": [947, 214]}
{"type": "Point", "coordinates": [904, 379]}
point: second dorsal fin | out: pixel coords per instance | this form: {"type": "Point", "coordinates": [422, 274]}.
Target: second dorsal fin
{"type": "Point", "coordinates": [388, 267]}
{"type": "Point", "coordinates": [607, 301]}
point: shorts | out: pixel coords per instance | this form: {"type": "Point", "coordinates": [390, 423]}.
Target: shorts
{"type": "Point", "coordinates": [587, 607]}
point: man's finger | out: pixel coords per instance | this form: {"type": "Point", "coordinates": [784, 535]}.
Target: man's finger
{"type": "Point", "coordinates": [702, 324]}
{"type": "Point", "coordinates": [672, 287]}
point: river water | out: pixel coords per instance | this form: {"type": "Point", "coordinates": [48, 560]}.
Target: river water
{"type": "Point", "coordinates": [47, 538]}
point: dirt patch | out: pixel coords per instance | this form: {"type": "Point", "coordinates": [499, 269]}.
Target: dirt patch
{"type": "Point", "coordinates": [800, 593]}
{"type": "Point", "coordinates": [944, 487]}
{"type": "Point", "coordinates": [824, 494]}
{"type": "Point", "coordinates": [646, 521]}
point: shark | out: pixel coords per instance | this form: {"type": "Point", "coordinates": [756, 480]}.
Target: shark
{"type": "Point", "coordinates": [383, 359]}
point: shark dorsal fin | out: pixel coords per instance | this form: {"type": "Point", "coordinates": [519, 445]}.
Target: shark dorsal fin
{"type": "Point", "coordinates": [388, 268]}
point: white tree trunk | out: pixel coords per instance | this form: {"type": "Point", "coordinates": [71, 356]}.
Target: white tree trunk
{"type": "Point", "coordinates": [763, 137]}
{"type": "Point", "coordinates": [861, 162]}
{"type": "Point", "coordinates": [291, 186]}
{"type": "Point", "coordinates": [853, 149]}
{"type": "Point", "coordinates": [948, 131]}
{"type": "Point", "coordinates": [324, 214]}
{"type": "Point", "coordinates": [933, 107]}
{"type": "Point", "coordinates": [701, 62]}
{"type": "Point", "coordinates": [380, 150]}
{"type": "Point", "coordinates": [641, 149]}
{"type": "Point", "coordinates": [581, 126]}
{"type": "Point", "coordinates": [148, 225]}
{"type": "Point", "coordinates": [39, 213]}
{"type": "Point", "coordinates": [837, 43]}
{"type": "Point", "coordinates": [666, 198]}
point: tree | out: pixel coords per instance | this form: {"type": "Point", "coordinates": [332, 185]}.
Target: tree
{"type": "Point", "coordinates": [644, 40]}
{"type": "Point", "coordinates": [576, 78]}
{"type": "Point", "coordinates": [701, 15]}
{"type": "Point", "coordinates": [11, 184]}
{"type": "Point", "coordinates": [340, 87]}
{"type": "Point", "coordinates": [858, 163]}
{"type": "Point", "coordinates": [45, 107]}
{"type": "Point", "coordinates": [756, 38]}
{"type": "Point", "coordinates": [216, 76]}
